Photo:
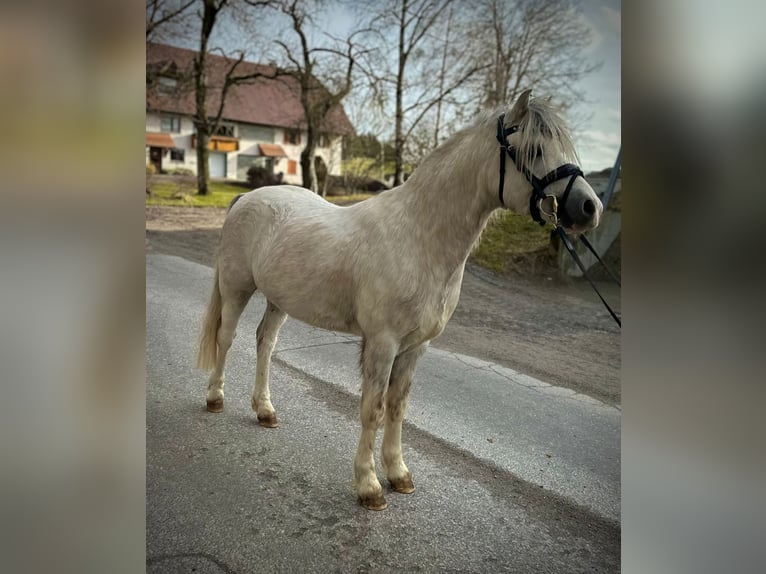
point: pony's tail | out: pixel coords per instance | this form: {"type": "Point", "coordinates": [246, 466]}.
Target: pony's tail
{"type": "Point", "coordinates": [208, 342]}
{"type": "Point", "coordinates": [207, 356]}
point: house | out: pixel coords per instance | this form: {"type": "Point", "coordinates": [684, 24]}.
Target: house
{"type": "Point", "coordinates": [262, 124]}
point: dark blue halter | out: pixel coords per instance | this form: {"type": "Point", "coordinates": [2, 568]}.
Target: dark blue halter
{"type": "Point", "coordinates": [538, 194]}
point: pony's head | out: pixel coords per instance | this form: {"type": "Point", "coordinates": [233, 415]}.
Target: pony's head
{"type": "Point", "coordinates": [540, 176]}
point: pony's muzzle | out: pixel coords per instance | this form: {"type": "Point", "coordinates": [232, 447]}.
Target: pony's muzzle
{"type": "Point", "coordinates": [583, 210]}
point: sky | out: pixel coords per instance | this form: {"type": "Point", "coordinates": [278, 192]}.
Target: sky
{"type": "Point", "coordinates": [598, 139]}
{"type": "Point", "coordinates": [598, 136]}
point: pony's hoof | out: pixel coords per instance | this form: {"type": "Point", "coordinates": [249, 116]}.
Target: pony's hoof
{"type": "Point", "coordinates": [215, 406]}
{"type": "Point", "coordinates": [374, 502]}
{"type": "Point", "coordinates": [268, 421]}
{"type": "Point", "coordinates": [403, 485]}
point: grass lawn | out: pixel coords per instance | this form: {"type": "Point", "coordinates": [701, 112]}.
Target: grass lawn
{"type": "Point", "coordinates": [181, 194]}
{"type": "Point", "coordinates": [510, 239]}
{"type": "Point", "coordinates": [219, 194]}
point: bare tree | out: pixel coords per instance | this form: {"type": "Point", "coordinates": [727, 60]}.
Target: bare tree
{"type": "Point", "coordinates": [415, 19]}
{"type": "Point", "coordinates": [210, 12]}
{"type": "Point", "coordinates": [206, 124]}
{"type": "Point", "coordinates": [440, 59]}
{"type": "Point", "coordinates": [421, 27]}
{"type": "Point", "coordinates": [160, 13]}
{"type": "Point", "coordinates": [318, 98]}
{"type": "Point", "coordinates": [535, 44]}
{"type": "Point", "coordinates": [442, 78]}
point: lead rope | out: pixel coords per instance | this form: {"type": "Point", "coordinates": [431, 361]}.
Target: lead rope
{"type": "Point", "coordinates": [573, 253]}
{"type": "Point", "coordinates": [604, 265]}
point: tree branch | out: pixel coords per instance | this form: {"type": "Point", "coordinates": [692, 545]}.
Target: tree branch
{"type": "Point", "coordinates": [156, 5]}
{"type": "Point", "coordinates": [443, 95]}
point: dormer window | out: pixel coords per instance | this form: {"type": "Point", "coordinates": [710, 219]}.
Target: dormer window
{"type": "Point", "coordinates": [167, 84]}
{"type": "Point", "coordinates": [225, 129]}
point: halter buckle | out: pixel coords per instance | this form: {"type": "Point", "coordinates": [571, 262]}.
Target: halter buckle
{"type": "Point", "coordinates": [555, 204]}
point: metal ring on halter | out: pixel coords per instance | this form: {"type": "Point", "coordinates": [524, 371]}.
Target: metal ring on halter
{"type": "Point", "coordinates": [553, 216]}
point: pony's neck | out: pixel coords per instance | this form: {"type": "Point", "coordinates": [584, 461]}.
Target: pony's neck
{"type": "Point", "coordinates": [448, 197]}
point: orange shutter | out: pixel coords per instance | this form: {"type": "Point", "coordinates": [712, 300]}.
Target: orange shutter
{"type": "Point", "coordinates": [291, 167]}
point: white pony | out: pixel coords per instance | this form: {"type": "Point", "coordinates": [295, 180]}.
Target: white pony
{"type": "Point", "coordinates": [388, 269]}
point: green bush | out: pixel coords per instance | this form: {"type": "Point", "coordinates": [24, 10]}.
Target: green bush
{"type": "Point", "coordinates": [260, 177]}
{"type": "Point", "coordinates": [185, 185]}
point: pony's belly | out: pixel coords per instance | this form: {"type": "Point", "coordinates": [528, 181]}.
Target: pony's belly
{"type": "Point", "coordinates": [315, 309]}
{"type": "Point", "coordinates": [331, 323]}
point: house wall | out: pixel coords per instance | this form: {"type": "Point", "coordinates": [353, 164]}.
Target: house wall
{"type": "Point", "coordinates": [331, 155]}
{"type": "Point", "coordinates": [293, 154]}
{"type": "Point", "coordinates": [182, 140]}
{"type": "Point", "coordinates": [248, 136]}
{"type": "Point", "coordinates": [152, 122]}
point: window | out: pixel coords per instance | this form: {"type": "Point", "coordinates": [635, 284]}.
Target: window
{"type": "Point", "coordinates": [225, 130]}
{"type": "Point", "coordinates": [292, 137]}
{"type": "Point", "coordinates": [324, 140]}
{"type": "Point", "coordinates": [170, 124]}
{"type": "Point", "coordinates": [292, 167]}
{"type": "Point", "coordinates": [177, 154]}
{"type": "Point", "coordinates": [257, 133]}
{"type": "Point", "coordinates": [167, 84]}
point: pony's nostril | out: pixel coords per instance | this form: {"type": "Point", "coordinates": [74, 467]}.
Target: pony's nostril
{"type": "Point", "coordinates": [589, 208]}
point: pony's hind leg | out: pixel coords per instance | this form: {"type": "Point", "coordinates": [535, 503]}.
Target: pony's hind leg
{"type": "Point", "coordinates": [377, 357]}
{"type": "Point", "coordinates": [268, 329]}
{"type": "Point", "coordinates": [232, 305]}
{"type": "Point", "coordinates": [396, 406]}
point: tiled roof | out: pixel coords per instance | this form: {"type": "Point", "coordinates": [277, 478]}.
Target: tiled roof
{"type": "Point", "coordinates": [268, 102]}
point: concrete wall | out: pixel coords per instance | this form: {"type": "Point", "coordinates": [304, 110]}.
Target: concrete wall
{"type": "Point", "coordinates": [601, 238]}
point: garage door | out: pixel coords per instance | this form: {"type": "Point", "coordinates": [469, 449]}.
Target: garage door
{"type": "Point", "coordinates": [217, 163]}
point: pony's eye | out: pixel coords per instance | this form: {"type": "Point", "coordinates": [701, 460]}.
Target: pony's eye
{"type": "Point", "coordinates": [535, 153]}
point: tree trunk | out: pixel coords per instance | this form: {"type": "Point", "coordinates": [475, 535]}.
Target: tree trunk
{"type": "Point", "coordinates": [398, 135]}
{"type": "Point", "coordinates": [203, 167]}
{"type": "Point", "coordinates": [325, 183]}
{"type": "Point", "coordinates": [209, 15]}
{"type": "Point", "coordinates": [201, 122]}
{"type": "Point", "coordinates": [442, 72]}
{"type": "Point", "coordinates": [308, 172]}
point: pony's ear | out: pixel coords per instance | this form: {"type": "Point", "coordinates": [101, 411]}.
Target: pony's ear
{"type": "Point", "coordinates": [520, 107]}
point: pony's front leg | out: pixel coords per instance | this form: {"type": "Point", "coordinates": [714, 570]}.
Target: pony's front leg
{"type": "Point", "coordinates": [266, 339]}
{"type": "Point", "coordinates": [377, 357]}
{"type": "Point", "coordinates": [396, 407]}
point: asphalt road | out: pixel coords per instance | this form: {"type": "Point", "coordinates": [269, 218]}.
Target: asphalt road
{"type": "Point", "coordinates": [512, 474]}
